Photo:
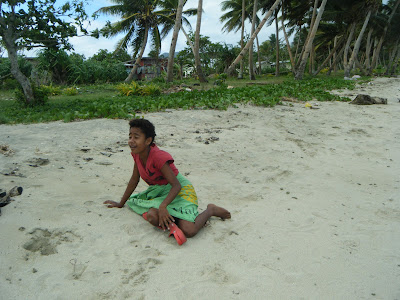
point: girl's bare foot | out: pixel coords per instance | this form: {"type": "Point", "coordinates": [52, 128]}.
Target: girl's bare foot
{"type": "Point", "coordinates": [220, 212]}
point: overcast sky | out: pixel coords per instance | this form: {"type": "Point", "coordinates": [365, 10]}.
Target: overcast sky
{"type": "Point", "coordinates": [210, 26]}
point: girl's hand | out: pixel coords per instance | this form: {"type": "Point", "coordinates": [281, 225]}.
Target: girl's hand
{"type": "Point", "coordinates": [164, 218]}
{"type": "Point", "coordinates": [113, 204]}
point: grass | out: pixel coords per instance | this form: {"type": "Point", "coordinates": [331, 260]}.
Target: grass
{"type": "Point", "coordinates": [104, 101]}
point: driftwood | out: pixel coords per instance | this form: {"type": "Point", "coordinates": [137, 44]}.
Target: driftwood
{"type": "Point", "coordinates": [368, 100]}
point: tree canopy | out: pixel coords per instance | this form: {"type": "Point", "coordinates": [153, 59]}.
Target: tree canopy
{"type": "Point", "coordinates": [29, 24]}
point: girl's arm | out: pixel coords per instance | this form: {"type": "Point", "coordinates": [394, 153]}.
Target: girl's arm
{"type": "Point", "coordinates": [164, 218]}
{"type": "Point", "coordinates": [132, 184]}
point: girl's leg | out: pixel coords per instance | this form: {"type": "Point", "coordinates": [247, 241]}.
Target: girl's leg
{"type": "Point", "coordinates": [152, 216]}
{"type": "Point", "coordinates": [190, 229]}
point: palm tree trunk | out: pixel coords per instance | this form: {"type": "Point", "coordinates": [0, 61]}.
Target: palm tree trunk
{"type": "Point", "coordinates": [288, 45]}
{"type": "Point", "coordinates": [258, 56]}
{"type": "Point", "coordinates": [139, 58]}
{"type": "Point", "coordinates": [396, 61]}
{"type": "Point", "coordinates": [277, 43]}
{"type": "Point", "coordinates": [297, 47]}
{"type": "Point", "coordinates": [360, 66]}
{"type": "Point", "coordinates": [246, 48]}
{"type": "Point", "coordinates": [309, 32]}
{"type": "Point", "coordinates": [240, 76]}
{"type": "Point", "coordinates": [188, 39]}
{"type": "Point", "coordinates": [347, 46]}
{"type": "Point", "coordinates": [368, 50]}
{"type": "Point", "coordinates": [178, 22]}
{"type": "Point", "coordinates": [378, 49]}
{"type": "Point", "coordinates": [302, 66]}
{"type": "Point", "coordinates": [197, 43]}
{"type": "Point", "coordinates": [357, 46]}
{"type": "Point", "coordinates": [251, 49]}
{"type": "Point", "coordinates": [391, 58]}
{"type": "Point", "coordinates": [335, 61]}
{"type": "Point", "coordinates": [333, 53]}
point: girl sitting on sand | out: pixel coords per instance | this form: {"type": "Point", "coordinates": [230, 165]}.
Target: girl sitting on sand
{"type": "Point", "coordinates": [170, 202]}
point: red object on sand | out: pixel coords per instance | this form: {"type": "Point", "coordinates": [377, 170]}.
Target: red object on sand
{"type": "Point", "coordinates": [173, 230]}
{"type": "Point", "coordinates": [177, 232]}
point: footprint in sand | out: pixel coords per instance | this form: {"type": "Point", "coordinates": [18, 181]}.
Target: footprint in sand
{"type": "Point", "coordinates": [350, 246]}
{"type": "Point", "coordinates": [389, 214]}
{"type": "Point", "coordinates": [46, 241]}
{"type": "Point", "coordinates": [141, 274]}
{"type": "Point", "coordinates": [216, 273]}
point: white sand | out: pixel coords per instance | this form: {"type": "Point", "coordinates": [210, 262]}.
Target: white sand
{"type": "Point", "coordinates": [314, 197]}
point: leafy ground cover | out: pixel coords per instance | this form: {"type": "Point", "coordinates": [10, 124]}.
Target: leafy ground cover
{"type": "Point", "coordinates": [105, 101]}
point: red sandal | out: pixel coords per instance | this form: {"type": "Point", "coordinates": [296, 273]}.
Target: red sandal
{"type": "Point", "coordinates": [178, 233]}
{"type": "Point", "coordinates": [173, 230]}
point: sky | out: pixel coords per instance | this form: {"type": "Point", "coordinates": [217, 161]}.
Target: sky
{"type": "Point", "coordinates": [210, 26]}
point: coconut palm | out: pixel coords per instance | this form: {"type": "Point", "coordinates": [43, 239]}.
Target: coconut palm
{"type": "Point", "coordinates": [394, 5]}
{"type": "Point", "coordinates": [139, 19]}
{"type": "Point", "coordinates": [393, 40]}
{"type": "Point", "coordinates": [264, 7]}
{"type": "Point", "coordinates": [197, 43]}
{"type": "Point", "coordinates": [253, 26]}
{"type": "Point", "coordinates": [253, 36]}
{"type": "Point", "coordinates": [359, 8]}
{"type": "Point", "coordinates": [307, 49]}
{"type": "Point", "coordinates": [178, 21]}
{"type": "Point", "coordinates": [237, 11]}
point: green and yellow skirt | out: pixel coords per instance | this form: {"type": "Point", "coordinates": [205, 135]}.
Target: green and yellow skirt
{"type": "Point", "coordinates": [184, 206]}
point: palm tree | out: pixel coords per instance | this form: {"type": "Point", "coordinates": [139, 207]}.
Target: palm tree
{"type": "Point", "coordinates": [139, 19]}
{"type": "Point", "coordinates": [369, 6]}
{"type": "Point", "coordinates": [265, 4]}
{"type": "Point", "coordinates": [197, 43]}
{"type": "Point", "coordinates": [178, 21]}
{"type": "Point", "coordinates": [253, 25]}
{"type": "Point", "coordinates": [307, 49]}
{"type": "Point", "coordinates": [253, 36]}
{"type": "Point", "coordinates": [394, 41]}
{"type": "Point", "coordinates": [237, 12]}
{"type": "Point", "coordinates": [240, 76]}
{"type": "Point", "coordinates": [382, 38]}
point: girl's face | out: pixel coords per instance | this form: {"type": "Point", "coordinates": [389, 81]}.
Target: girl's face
{"type": "Point", "coordinates": [138, 141]}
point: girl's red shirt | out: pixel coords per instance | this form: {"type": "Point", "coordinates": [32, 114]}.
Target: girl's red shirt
{"type": "Point", "coordinates": [151, 173]}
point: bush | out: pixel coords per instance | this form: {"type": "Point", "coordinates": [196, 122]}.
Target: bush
{"type": "Point", "coordinates": [134, 89]}
{"type": "Point", "coordinates": [51, 90]}
{"type": "Point", "coordinates": [126, 89]}
{"type": "Point", "coordinates": [71, 91]}
{"type": "Point", "coordinates": [150, 90]}
{"type": "Point", "coordinates": [220, 79]}
{"type": "Point", "coordinates": [41, 96]}
{"type": "Point", "coordinates": [9, 83]}
{"type": "Point", "coordinates": [159, 79]}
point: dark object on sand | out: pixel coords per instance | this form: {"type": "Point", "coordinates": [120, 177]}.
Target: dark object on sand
{"type": "Point", "coordinates": [5, 198]}
{"type": "Point", "coordinates": [368, 100]}
{"type": "Point", "coordinates": [15, 191]}
{"type": "Point", "coordinates": [37, 162]}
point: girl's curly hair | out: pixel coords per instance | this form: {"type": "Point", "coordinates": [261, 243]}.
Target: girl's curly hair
{"type": "Point", "coordinates": [145, 126]}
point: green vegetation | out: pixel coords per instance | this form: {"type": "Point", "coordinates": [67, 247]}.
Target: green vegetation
{"type": "Point", "coordinates": [104, 101]}
{"type": "Point", "coordinates": [134, 89]}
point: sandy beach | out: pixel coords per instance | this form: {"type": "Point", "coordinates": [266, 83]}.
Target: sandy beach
{"type": "Point", "coordinates": [314, 196]}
